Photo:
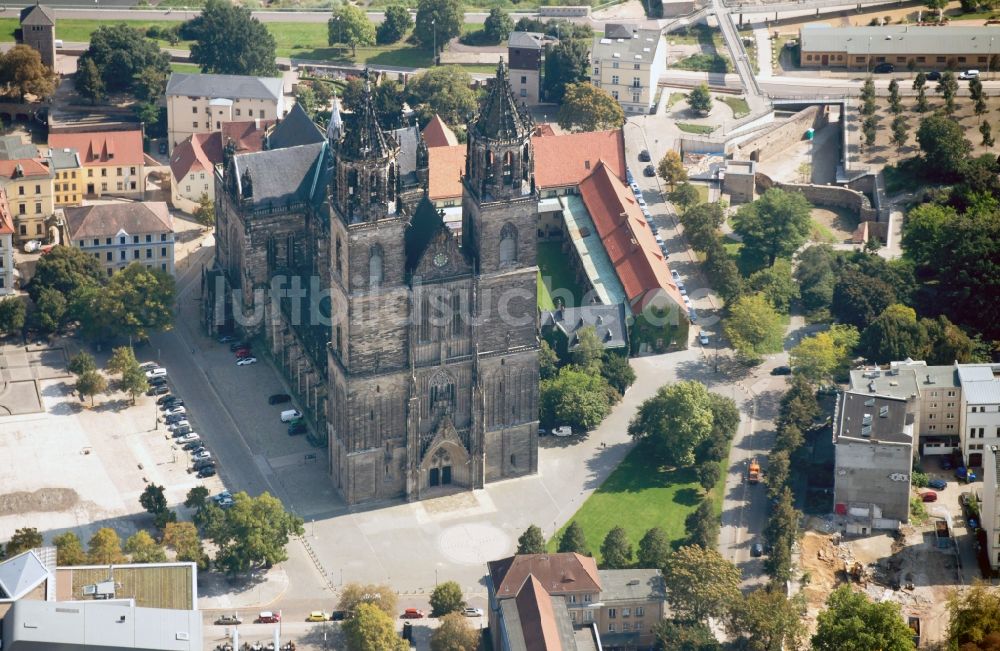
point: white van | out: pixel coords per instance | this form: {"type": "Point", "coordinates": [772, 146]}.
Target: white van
{"type": "Point", "coordinates": [289, 415]}
{"type": "Point", "coordinates": [59, 43]}
{"type": "Point", "coordinates": [969, 74]}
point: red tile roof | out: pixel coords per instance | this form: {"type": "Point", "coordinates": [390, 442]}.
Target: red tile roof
{"type": "Point", "coordinates": [557, 573]}
{"type": "Point", "coordinates": [102, 147]}
{"type": "Point", "coordinates": [6, 218]}
{"type": "Point", "coordinates": [631, 245]}
{"type": "Point", "coordinates": [445, 168]}
{"type": "Point", "coordinates": [567, 159]}
{"type": "Point", "coordinates": [438, 134]}
{"type": "Point", "coordinates": [538, 618]}
{"type": "Point", "coordinates": [202, 151]}
{"type": "Point", "coordinates": [30, 168]}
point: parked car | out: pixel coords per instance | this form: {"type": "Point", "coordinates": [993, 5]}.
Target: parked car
{"type": "Point", "coordinates": [145, 366]}
{"type": "Point", "coordinates": [31, 246]}
{"type": "Point", "coordinates": [267, 617]}
{"type": "Point", "coordinates": [338, 616]}
{"type": "Point", "coordinates": [244, 352]}
{"type": "Point", "coordinates": [969, 74]}
{"type": "Point", "coordinates": [225, 339]}
{"type": "Point", "coordinates": [971, 524]}
{"type": "Point", "coordinates": [278, 399]}
{"type": "Point", "coordinates": [317, 616]}
{"type": "Point", "coordinates": [223, 495]}
{"type": "Point", "coordinates": [182, 430]}
{"type": "Point", "coordinates": [202, 454]}
{"type": "Point", "coordinates": [928, 496]}
{"type": "Point", "coordinates": [412, 613]}
{"type": "Point", "coordinates": [156, 381]}
{"type": "Point", "coordinates": [563, 430]}
{"type": "Point", "coordinates": [883, 68]}
{"type": "Point", "coordinates": [702, 339]}
{"type": "Point", "coordinates": [175, 418]}
{"type": "Point", "coordinates": [203, 463]}
{"type": "Point", "coordinates": [938, 484]}
{"type": "Point", "coordinates": [676, 276]}
{"type": "Point", "coordinates": [693, 315]}
{"type": "Point", "coordinates": [297, 428]}
{"type": "Point", "coordinates": [781, 370]}
{"type": "Point", "coordinates": [158, 371]}
{"type": "Point", "coordinates": [228, 620]}
{"type": "Point", "coordinates": [946, 463]}
{"type": "Point", "coordinates": [189, 438]}
{"type": "Point", "coordinates": [167, 406]}
{"type": "Point", "coordinates": [289, 415]}
{"type": "Point", "coordinates": [233, 347]}
{"type": "Point", "coordinates": [178, 425]}
{"type": "Point", "coordinates": [933, 75]}
{"type": "Point", "coordinates": [628, 176]}
{"type": "Point", "coordinates": [176, 410]}
{"type": "Point", "coordinates": [962, 473]}
{"type": "Point", "coordinates": [542, 431]}
{"type": "Point", "coordinates": [644, 156]}
{"type": "Point", "coordinates": [207, 471]}
{"type": "Point", "coordinates": [162, 400]}
{"type": "Point", "coordinates": [649, 170]}
{"type": "Point", "coordinates": [246, 361]}
{"type": "Point", "coordinates": [757, 550]}
{"type": "Point", "coordinates": [473, 612]}
{"type": "Point", "coordinates": [158, 391]}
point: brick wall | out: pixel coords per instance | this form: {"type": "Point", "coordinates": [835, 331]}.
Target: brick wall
{"type": "Point", "coordinates": [774, 142]}
{"type": "Point", "coordinates": [826, 195]}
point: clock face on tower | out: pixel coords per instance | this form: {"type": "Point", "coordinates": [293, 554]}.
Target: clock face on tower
{"type": "Point", "coordinates": [440, 260]}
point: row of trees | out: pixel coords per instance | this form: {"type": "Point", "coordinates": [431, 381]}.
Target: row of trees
{"type": "Point", "coordinates": [90, 382]}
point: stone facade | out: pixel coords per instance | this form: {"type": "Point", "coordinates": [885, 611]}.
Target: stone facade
{"type": "Point", "coordinates": [425, 377]}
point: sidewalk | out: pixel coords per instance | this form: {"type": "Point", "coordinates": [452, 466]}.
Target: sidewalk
{"type": "Point", "coordinates": [216, 592]}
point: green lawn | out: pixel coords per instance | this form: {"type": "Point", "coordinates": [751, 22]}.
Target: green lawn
{"type": "Point", "coordinates": [820, 233]}
{"type": "Point", "coordinates": [555, 273]}
{"type": "Point", "coordinates": [738, 105]}
{"type": "Point", "coordinates": [638, 496]}
{"type": "Point", "coordinates": [544, 297]}
{"type": "Point", "coordinates": [702, 192]}
{"type": "Point", "coordinates": [705, 63]}
{"type": "Point", "coordinates": [184, 67]}
{"type": "Point", "coordinates": [695, 128]}
{"type": "Point", "coordinates": [674, 98]}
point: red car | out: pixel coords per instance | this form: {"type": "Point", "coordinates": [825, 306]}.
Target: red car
{"type": "Point", "coordinates": [412, 613]}
{"type": "Point", "coordinates": [243, 352]}
{"type": "Point", "coordinates": [929, 496]}
{"type": "Point", "coordinates": [268, 617]}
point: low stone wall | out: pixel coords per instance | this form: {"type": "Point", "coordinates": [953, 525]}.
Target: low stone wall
{"type": "Point", "coordinates": [825, 195]}
{"type": "Point", "coordinates": [775, 141]}
{"type": "Point", "coordinates": [565, 11]}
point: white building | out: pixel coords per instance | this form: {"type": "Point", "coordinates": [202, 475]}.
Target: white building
{"type": "Point", "coordinates": [628, 62]}
{"type": "Point", "coordinates": [6, 246]}
{"type": "Point", "coordinates": [118, 234]}
{"type": "Point", "coordinates": [980, 402]}
{"type": "Point", "coordinates": [990, 510]}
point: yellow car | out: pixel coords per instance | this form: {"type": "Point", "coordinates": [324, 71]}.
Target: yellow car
{"type": "Point", "coordinates": [317, 616]}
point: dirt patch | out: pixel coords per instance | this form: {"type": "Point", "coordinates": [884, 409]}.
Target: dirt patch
{"type": "Point", "coordinates": [43, 499]}
{"type": "Point", "coordinates": [833, 225]}
{"type": "Point", "coordinates": [823, 563]}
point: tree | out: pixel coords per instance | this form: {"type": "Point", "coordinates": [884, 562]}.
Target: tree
{"type": "Point", "coordinates": [497, 26]}
{"type": "Point", "coordinates": [671, 169]}
{"type": "Point", "coordinates": [105, 547]}
{"type": "Point", "coordinates": [438, 21]}
{"type": "Point", "coordinates": [81, 363]}
{"type": "Point", "coordinates": [589, 351]}
{"type": "Point", "coordinates": [230, 41]}
{"type": "Point", "coordinates": [574, 397]}
{"type": "Point", "coordinates": [196, 498]}
{"type": "Point", "coordinates": [980, 107]}
{"type": "Point", "coordinates": [893, 335]}
{"type": "Point", "coordinates": [616, 550]}
{"type": "Point", "coordinates": [700, 99]}
{"type": "Point", "coordinates": [23, 539]}
{"type": "Point", "coordinates": [722, 271]}
{"type": "Point", "coordinates": [183, 538]}
{"type": "Point", "coordinates": [136, 302]}
{"type": "Point", "coordinates": [65, 269]}
{"type": "Point", "coordinates": [675, 420]}
{"type": "Point", "coordinates": [824, 355]}
{"type": "Point", "coordinates": [858, 298]}
{"type": "Point", "coordinates": [446, 598]}
{"type": "Point", "coordinates": [920, 81]}
{"type": "Point", "coordinates": [531, 541]}
{"type": "Point", "coordinates": [153, 499]}
{"type": "Point", "coordinates": [50, 310]}
{"type": "Point", "coordinates": [586, 107]}
{"type": "Point", "coordinates": [548, 361]}
{"type": "Point", "coordinates": [975, 617]}
{"type": "Point", "coordinates": [12, 313]}
{"type": "Point", "coordinates": [708, 474]}
{"type": "Point", "coordinates": [254, 531]}
{"type": "Point", "coordinates": [675, 635]}
{"type": "Point", "coordinates": [349, 24]}
{"type": "Point", "coordinates": [776, 284]}
{"type": "Point", "coordinates": [765, 620]}
{"type": "Point", "coordinates": [773, 226]}
{"type": "Point", "coordinates": [370, 628]}
{"type": "Point", "coordinates": [868, 97]}
{"type": "Point", "coordinates": [895, 105]}
{"type": "Point", "coordinates": [936, 5]}
{"type": "Point", "coordinates": [943, 143]}
{"type": "Point", "coordinates": [869, 128]}
{"type": "Point", "coordinates": [122, 359]}
{"type": "Point", "coordinates": [91, 383]}
{"type": "Point", "coordinates": [455, 634]}
{"type": "Point", "coordinates": [617, 371]}
{"type": "Point", "coordinates": [143, 549]}
{"type": "Point", "coordinates": [567, 62]}
{"type": "Point", "coordinates": [900, 131]}
{"type": "Point", "coordinates": [946, 343]}
{"type": "Point", "coordinates": [128, 61]}
{"type": "Point", "coordinates": [354, 595]}
{"type": "Point", "coordinates": [702, 526]}
{"type": "Point", "coordinates": [922, 105]}
{"type": "Point", "coordinates": [204, 214]}
{"type": "Point", "coordinates": [23, 73]}
{"type": "Point", "coordinates": [573, 540]}
{"type": "Point", "coordinates": [852, 623]}
{"type": "Point", "coordinates": [685, 196]}
{"type": "Point", "coordinates": [654, 548]}
{"type": "Point", "coordinates": [754, 328]}
{"type": "Point", "coordinates": [781, 531]}
{"type": "Point", "coordinates": [69, 550]}
{"type": "Point", "coordinates": [396, 24]}
{"type": "Point", "coordinates": [987, 133]}
{"type": "Point", "coordinates": [700, 583]}
{"type": "Point", "coordinates": [447, 90]}
{"type": "Point", "coordinates": [88, 81]}
{"type": "Point", "coordinates": [779, 468]}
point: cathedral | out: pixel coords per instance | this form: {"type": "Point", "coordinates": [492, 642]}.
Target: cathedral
{"type": "Point", "coordinates": [413, 350]}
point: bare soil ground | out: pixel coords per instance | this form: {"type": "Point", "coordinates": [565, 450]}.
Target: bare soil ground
{"type": "Point", "coordinates": [43, 499]}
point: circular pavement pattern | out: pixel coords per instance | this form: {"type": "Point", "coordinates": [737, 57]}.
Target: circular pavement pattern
{"type": "Point", "coordinates": [473, 544]}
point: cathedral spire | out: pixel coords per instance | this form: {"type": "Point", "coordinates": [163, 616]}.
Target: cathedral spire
{"type": "Point", "coordinates": [500, 116]}
{"type": "Point", "coordinates": [335, 126]}
{"type": "Point", "coordinates": [365, 139]}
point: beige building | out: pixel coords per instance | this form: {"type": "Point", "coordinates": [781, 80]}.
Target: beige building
{"type": "Point", "coordinates": [67, 171]}
{"type": "Point", "coordinates": [526, 51]}
{"type": "Point", "coordinates": [926, 48]}
{"type": "Point", "coordinates": [118, 234]}
{"type": "Point", "coordinates": [113, 161]}
{"type": "Point", "coordinates": [6, 246]}
{"type": "Point", "coordinates": [199, 103]}
{"type": "Point", "coordinates": [28, 184]}
{"type": "Point", "coordinates": [628, 62]}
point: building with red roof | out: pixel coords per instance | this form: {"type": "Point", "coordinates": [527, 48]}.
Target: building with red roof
{"type": "Point", "coordinates": [438, 134]}
{"type": "Point", "coordinates": [28, 184]}
{"type": "Point", "coordinates": [6, 246]}
{"type": "Point", "coordinates": [113, 161]}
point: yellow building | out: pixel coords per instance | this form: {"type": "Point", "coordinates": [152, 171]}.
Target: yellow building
{"type": "Point", "coordinates": [28, 184]}
{"type": "Point", "coordinates": [627, 63]}
{"type": "Point", "coordinates": [68, 177]}
{"type": "Point", "coordinates": [113, 162]}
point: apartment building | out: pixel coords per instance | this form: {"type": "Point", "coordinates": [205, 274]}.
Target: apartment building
{"type": "Point", "coordinates": [118, 234]}
{"type": "Point", "coordinates": [565, 600]}
{"type": "Point", "coordinates": [628, 62]}
{"type": "Point", "coordinates": [980, 407]}
{"type": "Point", "coordinates": [113, 162]}
{"type": "Point", "coordinates": [925, 48]}
{"type": "Point", "coordinates": [199, 103]}
{"type": "Point", "coordinates": [67, 173]}
{"type": "Point", "coordinates": [6, 246]}
{"type": "Point", "coordinates": [28, 184]}
{"type": "Point", "coordinates": [526, 52]}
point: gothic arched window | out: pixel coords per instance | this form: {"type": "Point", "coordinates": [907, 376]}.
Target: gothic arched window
{"type": "Point", "coordinates": [375, 265]}
{"type": "Point", "coordinates": [508, 168]}
{"type": "Point", "coordinates": [442, 393]}
{"type": "Point", "coordinates": [373, 188]}
{"type": "Point", "coordinates": [391, 189]}
{"type": "Point", "coordinates": [508, 244]}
